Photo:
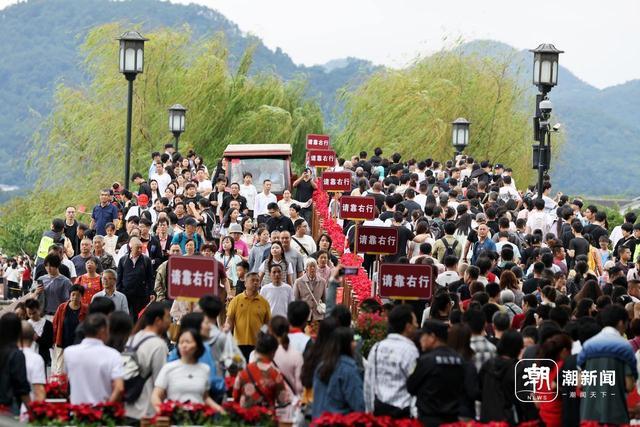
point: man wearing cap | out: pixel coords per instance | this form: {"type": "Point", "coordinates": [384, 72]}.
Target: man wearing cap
{"type": "Point", "coordinates": [103, 213]}
{"type": "Point", "coordinates": [143, 202]}
{"type": "Point", "coordinates": [439, 377]}
{"type": "Point", "coordinates": [189, 233]}
{"type": "Point", "coordinates": [235, 231]}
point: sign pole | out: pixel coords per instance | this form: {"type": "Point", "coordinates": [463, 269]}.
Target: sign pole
{"type": "Point", "coordinates": [355, 242]}
{"type": "Point", "coordinates": [377, 273]}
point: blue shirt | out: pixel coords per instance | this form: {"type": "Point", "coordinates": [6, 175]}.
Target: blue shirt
{"type": "Point", "coordinates": [343, 394]}
{"type": "Point", "coordinates": [480, 246]}
{"type": "Point", "coordinates": [102, 215]}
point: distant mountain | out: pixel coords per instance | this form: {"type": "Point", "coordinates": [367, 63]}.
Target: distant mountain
{"type": "Point", "coordinates": [39, 42]}
{"type": "Point", "coordinates": [602, 127]}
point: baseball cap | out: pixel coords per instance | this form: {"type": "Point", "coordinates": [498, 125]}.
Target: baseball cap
{"type": "Point", "coordinates": [485, 164]}
{"type": "Point", "coordinates": [608, 265]}
{"type": "Point", "coordinates": [143, 199]}
{"type": "Point", "coordinates": [498, 166]}
{"type": "Point", "coordinates": [235, 228]}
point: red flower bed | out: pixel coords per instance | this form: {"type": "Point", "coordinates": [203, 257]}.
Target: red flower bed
{"type": "Point", "coordinates": [361, 419]}
{"type": "Point", "coordinates": [254, 415]}
{"type": "Point", "coordinates": [45, 413]}
{"type": "Point", "coordinates": [360, 283]}
{"type": "Point", "coordinates": [186, 413]}
{"type": "Point", "coordinates": [57, 387]}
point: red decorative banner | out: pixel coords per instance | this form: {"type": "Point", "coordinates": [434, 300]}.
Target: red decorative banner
{"type": "Point", "coordinates": [336, 181]}
{"type": "Point", "coordinates": [321, 158]}
{"type": "Point", "coordinates": [192, 276]}
{"type": "Point", "coordinates": [357, 208]}
{"type": "Point", "coordinates": [406, 281]}
{"type": "Point", "coordinates": [378, 240]}
{"type": "Point", "coordinates": [318, 142]}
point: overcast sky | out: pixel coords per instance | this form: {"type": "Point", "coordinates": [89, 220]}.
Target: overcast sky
{"type": "Point", "coordinates": [600, 38]}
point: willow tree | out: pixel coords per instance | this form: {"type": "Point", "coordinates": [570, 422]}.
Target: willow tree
{"type": "Point", "coordinates": [410, 110]}
{"type": "Point", "coordinates": [81, 146]}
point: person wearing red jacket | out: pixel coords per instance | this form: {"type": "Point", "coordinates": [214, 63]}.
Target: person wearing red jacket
{"type": "Point", "coordinates": [67, 318]}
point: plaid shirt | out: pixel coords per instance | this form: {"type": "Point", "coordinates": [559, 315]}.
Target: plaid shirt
{"type": "Point", "coordinates": [483, 350]}
{"type": "Point", "coordinates": [390, 363]}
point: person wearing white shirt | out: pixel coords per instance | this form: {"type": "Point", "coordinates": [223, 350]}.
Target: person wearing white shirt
{"type": "Point", "coordinates": [538, 219]}
{"type": "Point", "coordinates": [155, 158]}
{"type": "Point", "coordinates": [205, 186]}
{"type": "Point", "coordinates": [36, 373]}
{"type": "Point", "coordinates": [277, 293]}
{"type": "Point", "coordinates": [503, 240]}
{"type": "Point", "coordinates": [95, 371]}
{"type": "Point", "coordinates": [302, 241]}
{"type": "Point", "coordinates": [248, 191]}
{"type": "Point", "coordinates": [162, 178]}
{"type": "Point", "coordinates": [450, 275]}
{"type": "Point", "coordinates": [262, 201]}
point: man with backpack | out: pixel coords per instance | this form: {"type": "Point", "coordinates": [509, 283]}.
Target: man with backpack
{"type": "Point", "coordinates": [447, 245]}
{"type": "Point", "coordinates": [143, 357]}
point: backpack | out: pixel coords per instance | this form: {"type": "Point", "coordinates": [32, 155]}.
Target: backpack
{"type": "Point", "coordinates": [449, 250]}
{"type": "Point", "coordinates": [435, 230]}
{"type": "Point", "coordinates": [134, 381]}
{"type": "Point", "coordinates": [208, 226]}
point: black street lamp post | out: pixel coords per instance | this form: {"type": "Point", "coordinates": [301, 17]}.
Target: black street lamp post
{"type": "Point", "coordinates": [131, 64]}
{"type": "Point", "coordinates": [459, 135]}
{"type": "Point", "coordinates": [545, 77]}
{"type": "Point", "coordinates": [177, 115]}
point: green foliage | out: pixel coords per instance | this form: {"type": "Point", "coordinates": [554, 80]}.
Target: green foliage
{"type": "Point", "coordinates": [23, 221]}
{"type": "Point", "coordinates": [410, 111]}
{"type": "Point", "coordinates": [83, 148]}
{"type": "Point", "coordinates": [42, 39]}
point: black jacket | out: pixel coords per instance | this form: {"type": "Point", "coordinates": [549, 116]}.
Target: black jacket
{"type": "Point", "coordinates": [497, 383]}
{"type": "Point", "coordinates": [136, 281]}
{"type": "Point", "coordinates": [438, 383]}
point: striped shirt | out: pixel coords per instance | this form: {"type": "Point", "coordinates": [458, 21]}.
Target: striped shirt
{"type": "Point", "coordinates": [390, 363]}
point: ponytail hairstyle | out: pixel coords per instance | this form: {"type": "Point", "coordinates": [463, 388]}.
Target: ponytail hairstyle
{"type": "Point", "coordinates": [279, 326]}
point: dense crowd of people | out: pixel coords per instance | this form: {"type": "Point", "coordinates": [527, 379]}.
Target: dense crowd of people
{"type": "Point", "coordinates": [519, 276]}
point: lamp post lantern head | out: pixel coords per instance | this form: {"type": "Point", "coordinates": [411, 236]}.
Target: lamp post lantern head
{"type": "Point", "coordinates": [177, 115]}
{"type": "Point", "coordinates": [460, 133]}
{"type": "Point", "coordinates": [131, 53]}
{"type": "Point", "coordinates": [545, 66]}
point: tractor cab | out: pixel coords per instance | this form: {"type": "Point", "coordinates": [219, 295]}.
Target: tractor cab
{"type": "Point", "coordinates": [263, 161]}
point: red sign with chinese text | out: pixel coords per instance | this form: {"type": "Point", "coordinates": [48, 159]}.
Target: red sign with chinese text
{"type": "Point", "coordinates": [378, 240]}
{"type": "Point", "coordinates": [409, 281]}
{"type": "Point", "coordinates": [357, 208]}
{"type": "Point", "coordinates": [321, 158]}
{"type": "Point", "coordinates": [318, 142]}
{"type": "Point", "coordinates": [336, 181]}
{"type": "Point", "coordinates": [192, 276]}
